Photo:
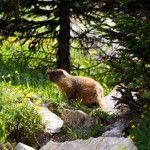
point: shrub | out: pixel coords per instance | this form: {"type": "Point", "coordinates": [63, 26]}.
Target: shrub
{"type": "Point", "coordinates": [19, 120]}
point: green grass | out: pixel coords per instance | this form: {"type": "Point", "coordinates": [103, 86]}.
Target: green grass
{"type": "Point", "coordinates": [19, 120]}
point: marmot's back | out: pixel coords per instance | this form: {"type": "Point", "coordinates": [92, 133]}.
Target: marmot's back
{"type": "Point", "coordinates": [77, 87]}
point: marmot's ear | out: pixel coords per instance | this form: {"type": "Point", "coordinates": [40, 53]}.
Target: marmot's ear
{"type": "Point", "coordinates": [61, 72]}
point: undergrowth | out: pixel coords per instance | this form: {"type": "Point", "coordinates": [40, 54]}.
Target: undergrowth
{"type": "Point", "coordinates": [19, 119]}
{"type": "Point", "coordinates": [21, 122]}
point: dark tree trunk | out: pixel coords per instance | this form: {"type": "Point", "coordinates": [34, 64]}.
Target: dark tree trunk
{"type": "Point", "coordinates": [63, 53]}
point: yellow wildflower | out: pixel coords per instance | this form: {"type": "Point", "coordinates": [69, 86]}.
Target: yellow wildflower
{"type": "Point", "coordinates": [21, 104]}
{"type": "Point", "coordinates": [133, 126]}
{"type": "Point", "coordinates": [20, 86]}
{"type": "Point", "coordinates": [76, 60]}
{"type": "Point", "coordinates": [16, 72]}
{"type": "Point", "coordinates": [37, 108]}
{"type": "Point", "coordinates": [37, 102]}
{"type": "Point", "coordinates": [25, 90]}
{"type": "Point", "coordinates": [26, 99]}
{"type": "Point", "coordinates": [8, 75]}
{"type": "Point", "coordinates": [30, 94]}
{"type": "Point", "coordinates": [131, 136]}
{"type": "Point", "coordinates": [3, 77]}
{"type": "Point", "coordinates": [123, 134]}
{"type": "Point", "coordinates": [142, 115]}
{"type": "Point", "coordinates": [90, 52]}
{"type": "Point", "coordinates": [39, 92]}
{"type": "Point", "coordinates": [19, 92]}
{"type": "Point", "coordinates": [86, 61]}
{"type": "Point", "coordinates": [10, 82]}
{"type": "Point", "coordinates": [94, 52]}
{"type": "Point", "coordinates": [16, 88]}
{"type": "Point", "coordinates": [145, 106]}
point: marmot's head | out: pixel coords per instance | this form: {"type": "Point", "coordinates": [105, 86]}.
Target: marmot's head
{"type": "Point", "coordinates": [55, 75]}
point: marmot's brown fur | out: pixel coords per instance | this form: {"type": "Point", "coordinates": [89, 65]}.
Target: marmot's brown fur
{"type": "Point", "coordinates": [77, 87]}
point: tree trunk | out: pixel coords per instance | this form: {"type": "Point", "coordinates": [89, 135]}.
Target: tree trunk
{"type": "Point", "coordinates": [63, 53]}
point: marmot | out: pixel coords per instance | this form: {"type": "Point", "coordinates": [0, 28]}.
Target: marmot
{"type": "Point", "coordinates": [81, 88]}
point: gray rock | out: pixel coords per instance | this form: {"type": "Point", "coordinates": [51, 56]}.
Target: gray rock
{"type": "Point", "coordinates": [100, 143]}
{"type": "Point", "coordinates": [121, 124]}
{"type": "Point", "coordinates": [110, 103]}
{"type": "Point", "coordinates": [77, 118]}
{"type": "Point", "coordinates": [53, 122]}
{"type": "Point", "coordinates": [21, 146]}
{"type": "Point", "coordinates": [115, 132]}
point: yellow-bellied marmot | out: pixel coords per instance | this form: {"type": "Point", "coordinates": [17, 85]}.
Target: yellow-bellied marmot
{"type": "Point", "coordinates": [77, 87]}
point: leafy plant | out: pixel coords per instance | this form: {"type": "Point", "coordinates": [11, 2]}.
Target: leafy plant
{"type": "Point", "coordinates": [139, 132]}
{"type": "Point", "coordinates": [85, 133]}
{"type": "Point", "coordinates": [3, 134]}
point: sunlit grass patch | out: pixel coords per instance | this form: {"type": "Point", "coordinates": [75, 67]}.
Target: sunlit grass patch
{"type": "Point", "coordinates": [17, 114]}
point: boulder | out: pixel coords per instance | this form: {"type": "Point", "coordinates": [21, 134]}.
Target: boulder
{"type": "Point", "coordinates": [53, 122]}
{"type": "Point", "coordinates": [100, 143]}
{"type": "Point", "coordinates": [77, 118]}
{"type": "Point", "coordinates": [21, 146]}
